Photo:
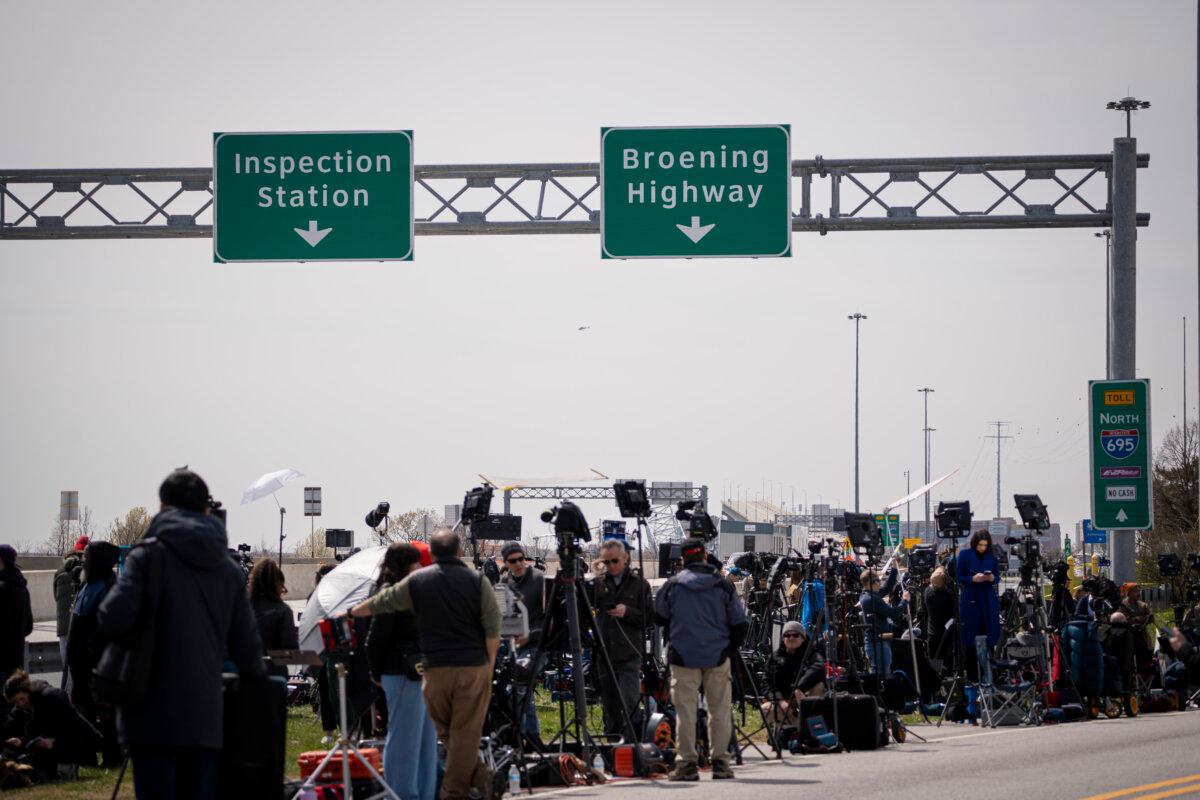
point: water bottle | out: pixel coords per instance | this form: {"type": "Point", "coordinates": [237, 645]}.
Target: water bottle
{"type": "Point", "coordinates": [514, 781]}
{"type": "Point", "coordinates": [598, 762]}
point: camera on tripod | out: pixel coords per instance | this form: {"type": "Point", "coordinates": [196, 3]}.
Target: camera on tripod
{"type": "Point", "coordinates": [337, 634]}
{"type": "Point", "coordinates": [1027, 549]}
{"type": "Point", "coordinates": [700, 524]}
{"type": "Point", "coordinates": [921, 560]}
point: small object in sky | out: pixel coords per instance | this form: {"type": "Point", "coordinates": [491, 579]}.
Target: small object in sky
{"type": "Point", "coordinates": [585, 327]}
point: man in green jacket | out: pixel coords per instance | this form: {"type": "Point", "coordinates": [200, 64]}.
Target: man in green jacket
{"type": "Point", "coordinates": [66, 584]}
{"type": "Point", "coordinates": [458, 624]}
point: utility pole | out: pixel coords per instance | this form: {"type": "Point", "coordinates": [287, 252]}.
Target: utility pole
{"type": "Point", "coordinates": [927, 430]}
{"type": "Point", "coordinates": [857, 317]}
{"type": "Point", "coordinates": [1122, 343]}
{"type": "Point", "coordinates": [998, 437]}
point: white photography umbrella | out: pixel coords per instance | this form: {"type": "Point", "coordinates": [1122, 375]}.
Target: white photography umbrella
{"type": "Point", "coordinates": [345, 586]}
{"type": "Point", "coordinates": [269, 484]}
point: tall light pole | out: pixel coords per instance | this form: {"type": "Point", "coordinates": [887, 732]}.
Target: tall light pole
{"type": "Point", "coordinates": [1107, 235]}
{"type": "Point", "coordinates": [857, 317]}
{"type": "Point", "coordinates": [925, 390]}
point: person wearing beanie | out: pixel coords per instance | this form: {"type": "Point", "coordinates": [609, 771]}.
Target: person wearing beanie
{"type": "Point", "coordinates": [67, 580]}
{"type": "Point", "coordinates": [16, 612]}
{"type": "Point", "coordinates": [795, 670]}
{"type": "Point", "coordinates": [528, 583]}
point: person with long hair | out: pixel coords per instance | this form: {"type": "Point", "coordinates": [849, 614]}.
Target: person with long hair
{"type": "Point", "coordinates": [978, 572]}
{"type": "Point", "coordinates": [394, 653]}
{"type": "Point", "coordinates": [939, 613]}
{"type": "Point", "coordinates": [276, 622]}
{"type": "Point", "coordinates": [85, 643]}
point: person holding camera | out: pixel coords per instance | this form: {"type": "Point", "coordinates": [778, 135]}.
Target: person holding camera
{"type": "Point", "coordinates": [706, 623]}
{"type": "Point", "coordinates": [458, 626]}
{"type": "Point", "coordinates": [201, 617]}
{"type": "Point", "coordinates": [43, 728]}
{"type": "Point", "coordinates": [878, 618]}
{"type": "Point", "coordinates": [622, 601]}
{"type": "Point", "coordinates": [528, 583]}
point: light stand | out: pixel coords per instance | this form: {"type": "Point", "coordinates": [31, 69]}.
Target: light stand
{"type": "Point", "coordinates": [344, 749]}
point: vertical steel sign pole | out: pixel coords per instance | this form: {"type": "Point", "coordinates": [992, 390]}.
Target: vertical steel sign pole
{"type": "Point", "coordinates": [1122, 351]}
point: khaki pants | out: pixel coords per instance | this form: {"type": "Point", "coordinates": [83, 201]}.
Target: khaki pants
{"type": "Point", "coordinates": [685, 694]}
{"type": "Point", "coordinates": [457, 699]}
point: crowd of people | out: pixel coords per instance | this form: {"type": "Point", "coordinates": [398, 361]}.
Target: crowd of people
{"type": "Point", "coordinates": [430, 630]}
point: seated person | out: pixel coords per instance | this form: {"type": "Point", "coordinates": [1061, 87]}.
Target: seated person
{"type": "Point", "coordinates": [796, 670]}
{"type": "Point", "coordinates": [1119, 640]}
{"type": "Point", "coordinates": [43, 728]}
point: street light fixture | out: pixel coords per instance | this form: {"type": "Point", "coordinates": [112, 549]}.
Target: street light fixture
{"type": "Point", "coordinates": [857, 317]}
{"type": "Point", "coordinates": [1128, 105]}
{"type": "Point", "coordinates": [926, 390]}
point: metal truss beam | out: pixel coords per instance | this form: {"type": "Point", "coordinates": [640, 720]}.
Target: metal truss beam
{"type": "Point", "coordinates": [1053, 191]}
{"type": "Point", "coordinates": [657, 496]}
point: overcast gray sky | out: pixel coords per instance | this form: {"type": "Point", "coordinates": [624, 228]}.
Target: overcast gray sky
{"type": "Point", "coordinates": [123, 359]}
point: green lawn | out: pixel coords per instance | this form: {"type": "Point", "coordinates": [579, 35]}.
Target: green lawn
{"type": "Point", "coordinates": [303, 733]}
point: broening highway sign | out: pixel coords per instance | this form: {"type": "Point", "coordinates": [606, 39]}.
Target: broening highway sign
{"type": "Point", "coordinates": [313, 196]}
{"type": "Point", "coordinates": [708, 192]}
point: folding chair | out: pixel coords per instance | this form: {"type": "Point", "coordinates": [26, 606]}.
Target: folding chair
{"type": "Point", "coordinates": [1011, 698]}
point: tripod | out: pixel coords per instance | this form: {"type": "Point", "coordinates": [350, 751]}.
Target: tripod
{"type": "Point", "coordinates": [345, 750]}
{"type": "Point", "coordinates": [960, 674]}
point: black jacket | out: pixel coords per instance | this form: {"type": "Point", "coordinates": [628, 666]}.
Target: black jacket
{"type": "Point", "coordinates": [785, 667]}
{"type": "Point", "coordinates": [622, 635]}
{"type": "Point", "coordinates": [53, 717]}
{"type": "Point", "coordinates": [203, 616]}
{"type": "Point", "coordinates": [276, 627]}
{"type": "Point", "coordinates": [939, 609]}
{"type": "Point", "coordinates": [393, 645]}
{"type": "Point", "coordinates": [532, 590]}
{"type": "Point", "coordinates": [16, 618]}
{"type": "Point", "coordinates": [878, 614]}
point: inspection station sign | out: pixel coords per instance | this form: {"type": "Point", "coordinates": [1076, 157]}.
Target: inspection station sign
{"type": "Point", "coordinates": [313, 196]}
{"type": "Point", "coordinates": [712, 192]}
{"type": "Point", "coordinates": [1119, 414]}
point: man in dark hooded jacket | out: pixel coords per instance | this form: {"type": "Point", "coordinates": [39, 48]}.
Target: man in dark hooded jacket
{"type": "Point", "coordinates": [706, 623]}
{"type": "Point", "coordinates": [202, 616]}
{"type": "Point", "coordinates": [16, 614]}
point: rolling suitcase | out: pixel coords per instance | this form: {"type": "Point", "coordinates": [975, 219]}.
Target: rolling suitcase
{"type": "Point", "coordinates": [859, 725]}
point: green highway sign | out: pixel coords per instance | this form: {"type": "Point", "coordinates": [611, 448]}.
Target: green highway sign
{"type": "Point", "coordinates": [696, 192]}
{"type": "Point", "coordinates": [1119, 425]}
{"type": "Point", "coordinates": [313, 196]}
{"type": "Point", "coordinates": [889, 529]}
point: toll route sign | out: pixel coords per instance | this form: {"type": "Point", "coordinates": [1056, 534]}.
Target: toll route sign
{"type": "Point", "coordinates": [313, 196]}
{"type": "Point", "coordinates": [1121, 463]}
{"type": "Point", "coordinates": [710, 192]}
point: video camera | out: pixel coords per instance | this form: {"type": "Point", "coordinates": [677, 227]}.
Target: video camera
{"type": "Point", "coordinates": [570, 526]}
{"type": "Point", "coordinates": [700, 524]}
{"type": "Point", "coordinates": [1027, 549]}
{"type": "Point", "coordinates": [337, 634]}
{"type": "Point", "coordinates": [922, 560]}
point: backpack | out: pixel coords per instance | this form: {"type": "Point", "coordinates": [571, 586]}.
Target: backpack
{"type": "Point", "coordinates": [122, 675]}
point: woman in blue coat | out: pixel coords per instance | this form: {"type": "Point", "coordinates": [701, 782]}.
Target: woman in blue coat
{"type": "Point", "coordinates": [978, 602]}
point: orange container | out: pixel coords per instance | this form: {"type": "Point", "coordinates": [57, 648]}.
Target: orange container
{"type": "Point", "coordinates": [623, 761]}
{"type": "Point", "coordinates": [333, 770]}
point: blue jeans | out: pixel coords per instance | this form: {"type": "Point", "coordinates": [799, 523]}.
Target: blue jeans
{"type": "Point", "coordinates": [879, 656]}
{"type": "Point", "coordinates": [174, 773]}
{"type": "Point", "coordinates": [530, 722]}
{"type": "Point", "coordinates": [410, 755]}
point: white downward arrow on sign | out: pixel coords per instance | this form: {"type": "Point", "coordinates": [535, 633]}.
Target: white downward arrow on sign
{"type": "Point", "coordinates": [312, 235]}
{"type": "Point", "coordinates": [1121, 515]}
{"type": "Point", "coordinates": [696, 231]}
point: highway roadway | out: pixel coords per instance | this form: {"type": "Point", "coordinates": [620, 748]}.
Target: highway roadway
{"type": "Point", "coordinates": [1147, 758]}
